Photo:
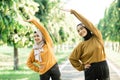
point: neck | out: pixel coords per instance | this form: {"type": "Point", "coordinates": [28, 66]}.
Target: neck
{"type": "Point", "coordinates": [89, 34]}
{"type": "Point", "coordinates": [87, 37]}
{"type": "Point", "coordinates": [40, 43]}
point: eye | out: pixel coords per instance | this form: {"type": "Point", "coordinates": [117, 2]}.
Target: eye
{"type": "Point", "coordinates": [81, 28]}
{"type": "Point", "coordinates": [37, 35]}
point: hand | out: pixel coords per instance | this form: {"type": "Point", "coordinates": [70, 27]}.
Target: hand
{"type": "Point", "coordinates": [87, 66]}
{"type": "Point", "coordinates": [29, 20]}
{"type": "Point", "coordinates": [67, 10]}
{"type": "Point", "coordinates": [41, 67]}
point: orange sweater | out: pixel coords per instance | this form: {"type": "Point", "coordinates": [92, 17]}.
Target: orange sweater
{"type": "Point", "coordinates": [48, 57]}
{"type": "Point", "coordinates": [89, 51]}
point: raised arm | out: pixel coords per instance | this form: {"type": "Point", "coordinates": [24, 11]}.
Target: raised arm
{"type": "Point", "coordinates": [87, 23]}
{"type": "Point", "coordinates": [43, 31]}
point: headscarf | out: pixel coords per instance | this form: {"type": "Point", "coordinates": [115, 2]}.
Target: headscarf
{"type": "Point", "coordinates": [38, 48]}
{"type": "Point", "coordinates": [89, 34]}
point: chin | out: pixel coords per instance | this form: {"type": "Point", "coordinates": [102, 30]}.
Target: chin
{"type": "Point", "coordinates": [83, 35]}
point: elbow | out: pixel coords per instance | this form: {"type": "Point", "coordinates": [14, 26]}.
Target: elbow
{"type": "Point", "coordinates": [27, 64]}
{"type": "Point", "coordinates": [71, 60]}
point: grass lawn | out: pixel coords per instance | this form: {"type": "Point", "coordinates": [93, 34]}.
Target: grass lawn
{"type": "Point", "coordinates": [24, 73]}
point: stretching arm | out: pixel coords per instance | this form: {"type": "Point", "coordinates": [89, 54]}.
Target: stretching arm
{"type": "Point", "coordinates": [87, 23]}
{"type": "Point", "coordinates": [43, 30]}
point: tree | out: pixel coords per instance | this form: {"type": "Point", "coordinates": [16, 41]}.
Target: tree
{"type": "Point", "coordinates": [13, 31]}
{"type": "Point", "coordinates": [63, 35]}
{"type": "Point", "coordinates": [54, 19]}
{"type": "Point", "coordinates": [110, 24]}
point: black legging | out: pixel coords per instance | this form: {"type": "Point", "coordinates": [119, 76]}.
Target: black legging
{"type": "Point", "coordinates": [54, 73]}
{"type": "Point", "coordinates": [97, 71]}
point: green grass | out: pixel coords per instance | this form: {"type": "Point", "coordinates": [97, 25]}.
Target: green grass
{"type": "Point", "coordinates": [23, 73]}
{"type": "Point", "coordinates": [18, 75]}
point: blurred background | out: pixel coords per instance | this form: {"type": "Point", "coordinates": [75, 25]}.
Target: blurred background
{"type": "Point", "coordinates": [16, 36]}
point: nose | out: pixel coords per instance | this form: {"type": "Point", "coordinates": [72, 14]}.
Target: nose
{"type": "Point", "coordinates": [80, 31]}
{"type": "Point", "coordinates": [35, 38]}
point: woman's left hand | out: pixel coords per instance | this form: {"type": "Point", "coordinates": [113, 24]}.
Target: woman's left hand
{"type": "Point", "coordinates": [29, 20]}
{"type": "Point", "coordinates": [41, 66]}
{"type": "Point", "coordinates": [87, 66]}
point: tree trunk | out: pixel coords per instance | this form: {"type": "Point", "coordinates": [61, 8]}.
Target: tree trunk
{"type": "Point", "coordinates": [113, 46]}
{"type": "Point", "coordinates": [15, 58]}
{"type": "Point", "coordinates": [119, 48]}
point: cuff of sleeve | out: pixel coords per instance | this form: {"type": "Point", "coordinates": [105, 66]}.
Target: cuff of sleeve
{"type": "Point", "coordinates": [71, 11]}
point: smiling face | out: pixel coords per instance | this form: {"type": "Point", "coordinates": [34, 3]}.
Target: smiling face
{"type": "Point", "coordinates": [37, 38]}
{"type": "Point", "coordinates": [81, 31]}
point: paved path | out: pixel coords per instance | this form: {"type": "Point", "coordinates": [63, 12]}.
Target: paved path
{"type": "Point", "coordinates": [70, 73]}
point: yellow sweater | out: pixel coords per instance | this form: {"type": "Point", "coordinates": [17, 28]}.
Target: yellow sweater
{"type": "Point", "coordinates": [48, 57]}
{"type": "Point", "coordinates": [89, 51]}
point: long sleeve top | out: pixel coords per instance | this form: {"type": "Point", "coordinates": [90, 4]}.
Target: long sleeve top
{"type": "Point", "coordinates": [89, 51]}
{"type": "Point", "coordinates": [48, 57]}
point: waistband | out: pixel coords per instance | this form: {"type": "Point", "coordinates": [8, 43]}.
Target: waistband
{"type": "Point", "coordinates": [97, 63]}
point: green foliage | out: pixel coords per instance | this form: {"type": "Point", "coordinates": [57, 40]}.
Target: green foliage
{"type": "Point", "coordinates": [54, 19]}
{"type": "Point", "coordinates": [12, 29]}
{"type": "Point", "coordinates": [63, 34]}
{"type": "Point", "coordinates": [15, 32]}
{"type": "Point", "coordinates": [13, 12]}
{"type": "Point", "coordinates": [50, 16]}
{"type": "Point", "coordinates": [110, 24]}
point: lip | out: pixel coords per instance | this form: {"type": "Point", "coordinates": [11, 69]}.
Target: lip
{"type": "Point", "coordinates": [82, 34]}
{"type": "Point", "coordinates": [36, 39]}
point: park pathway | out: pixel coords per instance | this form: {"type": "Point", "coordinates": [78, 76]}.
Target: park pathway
{"type": "Point", "coordinates": [70, 73]}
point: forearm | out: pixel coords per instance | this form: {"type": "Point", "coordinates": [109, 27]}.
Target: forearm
{"type": "Point", "coordinates": [87, 23]}
{"type": "Point", "coordinates": [82, 19]}
{"type": "Point", "coordinates": [33, 67]}
{"type": "Point", "coordinates": [30, 62]}
{"type": "Point", "coordinates": [44, 31]}
{"type": "Point", "coordinates": [76, 64]}
{"type": "Point", "coordinates": [39, 26]}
